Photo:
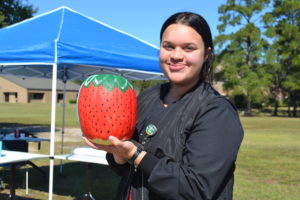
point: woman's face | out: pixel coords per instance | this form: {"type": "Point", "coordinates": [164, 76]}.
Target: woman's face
{"type": "Point", "coordinates": [182, 53]}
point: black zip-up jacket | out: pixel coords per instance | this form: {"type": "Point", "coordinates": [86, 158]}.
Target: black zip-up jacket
{"type": "Point", "coordinates": [193, 152]}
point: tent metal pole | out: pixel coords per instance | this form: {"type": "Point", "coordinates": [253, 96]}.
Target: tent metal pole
{"type": "Point", "coordinates": [63, 117]}
{"type": "Point", "coordinates": [52, 134]}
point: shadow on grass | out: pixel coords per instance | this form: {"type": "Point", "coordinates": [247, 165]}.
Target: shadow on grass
{"type": "Point", "coordinates": [280, 112]}
{"type": "Point", "coordinates": [76, 179]}
{"type": "Point", "coordinates": [269, 112]}
{"type": "Point", "coordinates": [6, 196]}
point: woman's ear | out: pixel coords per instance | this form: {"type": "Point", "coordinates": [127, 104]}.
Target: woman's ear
{"type": "Point", "coordinates": [207, 52]}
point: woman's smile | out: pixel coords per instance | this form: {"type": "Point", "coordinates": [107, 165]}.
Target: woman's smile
{"type": "Point", "coordinates": [176, 67]}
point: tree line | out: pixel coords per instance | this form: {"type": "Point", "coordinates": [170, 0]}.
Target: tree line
{"type": "Point", "coordinates": [259, 60]}
{"type": "Point", "coordinates": [13, 11]}
{"type": "Point", "coordinates": [257, 50]}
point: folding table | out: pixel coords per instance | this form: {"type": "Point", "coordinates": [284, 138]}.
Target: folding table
{"type": "Point", "coordinates": [87, 155]}
{"type": "Point", "coordinates": [13, 158]}
{"type": "Point", "coordinates": [11, 137]}
{"type": "Point", "coordinates": [12, 143]}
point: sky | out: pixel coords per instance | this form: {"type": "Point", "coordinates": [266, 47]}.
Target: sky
{"type": "Point", "coordinates": [141, 18]}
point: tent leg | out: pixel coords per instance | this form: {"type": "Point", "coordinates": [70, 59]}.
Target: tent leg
{"type": "Point", "coordinates": [63, 124]}
{"type": "Point", "coordinates": [52, 133]}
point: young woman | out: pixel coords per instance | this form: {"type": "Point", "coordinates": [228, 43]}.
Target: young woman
{"type": "Point", "coordinates": [187, 136]}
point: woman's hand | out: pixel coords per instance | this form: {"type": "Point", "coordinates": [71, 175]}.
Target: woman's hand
{"type": "Point", "coordinates": [121, 150]}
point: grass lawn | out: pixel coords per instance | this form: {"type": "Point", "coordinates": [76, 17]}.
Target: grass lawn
{"type": "Point", "coordinates": [267, 167]}
{"type": "Point", "coordinates": [37, 114]}
{"type": "Point", "coordinates": [269, 160]}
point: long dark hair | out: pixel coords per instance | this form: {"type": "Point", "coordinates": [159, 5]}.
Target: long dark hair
{"type": "Point", "coordinates": [199, 24]}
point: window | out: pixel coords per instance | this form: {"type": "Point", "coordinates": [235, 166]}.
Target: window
{"type": "Point", "coordinates": [60, 96]}
{"type": "Point", "coordinates": [38, 96]}
{"type": "Point", "coordinates": [6, 97]}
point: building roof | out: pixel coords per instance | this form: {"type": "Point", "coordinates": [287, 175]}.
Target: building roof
{"type": "Point", "coordinates": [40, 83]}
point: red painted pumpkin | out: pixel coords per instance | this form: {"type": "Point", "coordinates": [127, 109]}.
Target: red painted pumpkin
{"type": "Point", "coordinates": [106, 105]}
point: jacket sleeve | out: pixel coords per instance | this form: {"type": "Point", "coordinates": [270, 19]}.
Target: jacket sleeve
{"type": "Point", "coordinates": [120, 170]}
{"type": "Point", "coordinates": [209, 156]}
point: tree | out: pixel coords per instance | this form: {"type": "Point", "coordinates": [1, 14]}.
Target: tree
{"type": "Point", "coordinates": [274, 68]}
{"type": "Point", "coordinates": [284, 28]}
{"type": "Point", "coordinates": [13, 11]}
{"type": "Point", "coordinates": [141, 85]}
{"type": "Point", "coordinates": [241, 52]}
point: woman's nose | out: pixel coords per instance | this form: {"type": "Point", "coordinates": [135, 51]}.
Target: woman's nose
{"type": "Point", "coordinates": [177, 54]}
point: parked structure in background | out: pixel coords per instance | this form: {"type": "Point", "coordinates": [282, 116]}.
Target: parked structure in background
{"type": "Point", "coordinates": [218, 85]}
{"type": "Point", "coordinates": [26, 90]}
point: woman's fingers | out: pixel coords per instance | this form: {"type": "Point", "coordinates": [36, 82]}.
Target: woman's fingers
{"type": "Point", "coordinates": [89, 143]}
{"type": "Point", "coordinates": [114, 141]}
{"type": "Point", "coordinates": [96, 146]}
{"type": "Point", "coordinates": [118, 147]}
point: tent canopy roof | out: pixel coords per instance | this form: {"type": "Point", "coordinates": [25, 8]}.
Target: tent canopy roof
{"type": "Point", "coordinates": [78, 44]}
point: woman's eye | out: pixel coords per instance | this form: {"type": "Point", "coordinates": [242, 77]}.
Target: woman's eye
{"type": "Point", "coordinates": [189, 48]}
{"type": "Point", "coordinates": [168, 47]}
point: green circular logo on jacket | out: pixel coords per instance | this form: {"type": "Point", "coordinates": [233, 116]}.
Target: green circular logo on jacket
{"type": "Point", "coordinates": [151, 129]}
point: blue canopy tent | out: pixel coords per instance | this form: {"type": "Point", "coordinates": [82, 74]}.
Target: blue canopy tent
{"type": "Point", "coordinates": [64, 44]}
{"type": "Point", "coordinates": [76, 43]}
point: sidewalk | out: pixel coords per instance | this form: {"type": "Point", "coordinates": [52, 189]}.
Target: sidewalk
{"type": "Point", "coordinates": [70, 134]}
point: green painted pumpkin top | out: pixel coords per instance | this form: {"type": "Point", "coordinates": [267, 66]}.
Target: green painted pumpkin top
{"type": "Point", "coordinates": [109, 81]}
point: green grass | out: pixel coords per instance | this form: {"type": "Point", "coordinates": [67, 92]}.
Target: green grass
{"type": "Point", "coordinates": [37, 113]}
{"type": "Point", "coordinates": [267, 167]}
{"type": "Point", "coordinates": [269, 160]}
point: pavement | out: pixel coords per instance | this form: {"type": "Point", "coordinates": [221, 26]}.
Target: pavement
{"type": "Point", "coordinates": [70, 134]}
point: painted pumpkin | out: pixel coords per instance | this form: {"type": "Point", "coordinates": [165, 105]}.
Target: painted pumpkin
{"type": "Point", "coordinates": [106, 105]}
